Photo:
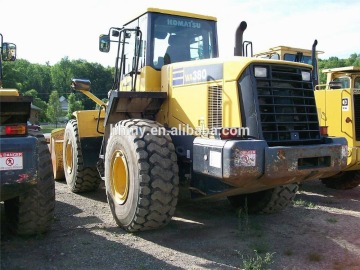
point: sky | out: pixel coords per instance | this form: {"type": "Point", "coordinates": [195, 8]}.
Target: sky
{"type": "Point", "coordinates": [49, 30]}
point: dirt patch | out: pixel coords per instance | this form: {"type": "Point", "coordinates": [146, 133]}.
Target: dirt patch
{"type": "Point", "coordinates": [320, 231]}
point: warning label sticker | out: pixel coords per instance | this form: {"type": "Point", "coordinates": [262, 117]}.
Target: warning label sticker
{"type": "Point", "coordinates": [11, 161]}
{"type": "Point", "coordinates": [245, 158]}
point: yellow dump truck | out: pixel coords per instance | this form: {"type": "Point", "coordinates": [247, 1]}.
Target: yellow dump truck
{"type": "Point", "coordinates": [241, 128]}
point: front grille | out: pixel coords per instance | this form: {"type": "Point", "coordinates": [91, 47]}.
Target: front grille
{"type": "Point", "coordinates": [215, 107]}
{"type": "Point", "coordinates": [287, 106]}
{"type": "Point", "coordinates": [357, 116]}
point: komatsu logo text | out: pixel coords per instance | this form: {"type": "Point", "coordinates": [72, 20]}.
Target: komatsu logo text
{"type": "Point", "coordinates": [184, 23]}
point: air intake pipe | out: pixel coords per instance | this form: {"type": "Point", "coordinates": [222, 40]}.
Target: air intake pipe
{"type": "Point", "coordinates": [314, 64]}
{"type": "Point", "coordinates": [238, 50]}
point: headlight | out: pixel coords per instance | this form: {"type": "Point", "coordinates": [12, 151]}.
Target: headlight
{"type": "Point", "coordinates": [260, 72]}
{"type": "Point", "coordinates": [305, 75]}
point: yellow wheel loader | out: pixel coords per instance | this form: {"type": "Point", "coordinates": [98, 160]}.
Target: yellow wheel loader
{"type": "Point", "coordinates": [338, 103]}
{"type": "Point", "coordinates": [178, 116]}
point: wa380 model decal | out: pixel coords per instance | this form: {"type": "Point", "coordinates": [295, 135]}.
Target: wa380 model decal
{"type": "Point", "coordinates": [188, 75]}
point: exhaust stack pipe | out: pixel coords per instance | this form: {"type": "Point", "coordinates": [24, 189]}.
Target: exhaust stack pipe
{"type": "Point", "coordinates": [314, 64]}
{"type": "Point", "coordinates": [238, 50]}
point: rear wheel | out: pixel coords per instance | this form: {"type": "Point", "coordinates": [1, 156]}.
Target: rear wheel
{"type": "Point", "coordinates": [343, 181]}
{"type": "Point", "coordinates": [78, 177]}
{"type": "Point", "coordinates": [267, 201]}
{"type": "Point", "coordinates": [33, 212]}
{"type": "Point", "coordinates": [141, 176]}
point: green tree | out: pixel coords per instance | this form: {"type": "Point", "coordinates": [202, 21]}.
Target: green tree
{"type": "Point", "coordinates": [39, 78]}
{"type": "Point", "coordinates": [61, 74]}
{"type": "Point", "coordinates": [25, 76]}
{"type": "Point", "coordinates": [54, 111]}
{"type": "Point", "coordinates": [101, 80]}
{"type": "Point", "coordinates": [352, 60]}
{"type": "Point", "coordinates": [74, 105]}
{"type": "Point", "coordinates": [39, 103]}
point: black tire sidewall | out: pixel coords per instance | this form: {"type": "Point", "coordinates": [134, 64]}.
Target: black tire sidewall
{"type": "Point", "coordinates": [32, 212]}
{"type": "Point", "coordinates": [123, 213]}
{"type": "Point", "coordinates": [70, 135]}
{"type": "Point", "coordinates": [343, 181]}
{"type": "Point", "coordinates": [266, 201]}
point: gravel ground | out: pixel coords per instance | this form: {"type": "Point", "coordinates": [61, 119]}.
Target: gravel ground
{"type": "Point", "coordinates": [320, 231]}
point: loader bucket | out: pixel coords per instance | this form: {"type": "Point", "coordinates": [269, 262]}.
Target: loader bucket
{"type": "Point", "coordinates": [56, 149]}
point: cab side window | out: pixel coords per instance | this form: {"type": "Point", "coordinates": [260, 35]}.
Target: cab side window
{"type": "Point", "coordinates": [345, 81]}
{"type": "Point", "coordinates": [357, 83]}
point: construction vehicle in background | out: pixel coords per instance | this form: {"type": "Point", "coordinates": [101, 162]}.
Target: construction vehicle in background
{"type": "Point", "coordinates": [289, 54]}
{"type": "Point", "coordinates": [292, 54]}
{"type": "Point", "coordinates": [338, 103]}
{"type": "Point", "coordinates": [26, 183]}
{"type": "Point", "coordinates": [338, 106]}
{"type": "Point", "coordinates": [242, 128]}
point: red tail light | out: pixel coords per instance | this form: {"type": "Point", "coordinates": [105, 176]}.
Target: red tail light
{"type": "Point", "coordinates": [15, 130]}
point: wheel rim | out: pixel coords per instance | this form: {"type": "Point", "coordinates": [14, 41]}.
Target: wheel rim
{"type": "Point", "coordinates": [69, 157]}
{"type": "Point", "coordinates": [119, 177]}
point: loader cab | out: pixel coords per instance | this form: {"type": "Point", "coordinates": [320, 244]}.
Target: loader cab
{"type": "Point", "coordinates": [288, 54]}
{"type": "Point", "coordinates": [343, 77]}
{"type": "Point", "coordinates": [157, 38]}
{"type": "Point", "coordinates": [175, 38]}
{"type": "Point", "coordinates": [292, 54]}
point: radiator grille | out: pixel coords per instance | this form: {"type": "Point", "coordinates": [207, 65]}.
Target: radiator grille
{"type": "Point", "coordinates": [215, 107]}
{"type": "Point", "coordinates": [357, 116]}
{"type": "Point", "coordinates": [287, 106]}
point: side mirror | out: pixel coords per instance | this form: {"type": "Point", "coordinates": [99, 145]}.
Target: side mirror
{"type": "Point", "coordinates": [104, 43]}
{"type": "Point", "coordinates": [8, 52]}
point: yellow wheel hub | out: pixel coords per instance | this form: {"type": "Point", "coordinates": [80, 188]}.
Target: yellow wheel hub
{"type": "Point", "coordinates": [68, 157]}
{"type": "Point", "coordinates": [119, 177]}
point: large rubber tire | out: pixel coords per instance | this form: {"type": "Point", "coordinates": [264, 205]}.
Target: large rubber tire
{"type": "Point", "coordinates": [267, 201]}
{"type": "Point", "coordinates": [33, 212]}
{"type": "Point", "coordinates": [343, 180]}
{"type": "Point", "coordinates": [78, 177]}
{"type": "Point", "coordinates": [141, 176]}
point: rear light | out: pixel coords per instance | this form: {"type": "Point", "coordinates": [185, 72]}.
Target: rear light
{"type": "Point", "coordinates": [13, 130]}
{"type": "Point", "coordinates": [324, 131]}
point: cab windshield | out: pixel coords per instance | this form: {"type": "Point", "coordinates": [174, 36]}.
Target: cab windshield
{"type": "Point", "coordinates": [178, 39]}
{"type": "Point", "coordinates": [292, 57]}
{"type": "Point", "coordinates": [345, 81]}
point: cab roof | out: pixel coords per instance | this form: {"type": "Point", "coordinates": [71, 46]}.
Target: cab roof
{"type": "Point", "coordinates": [286, 48]}
{"type": "Point", "coordinates": [174, 12]}
{"type": "Point", "coordinates": [350, 69]}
